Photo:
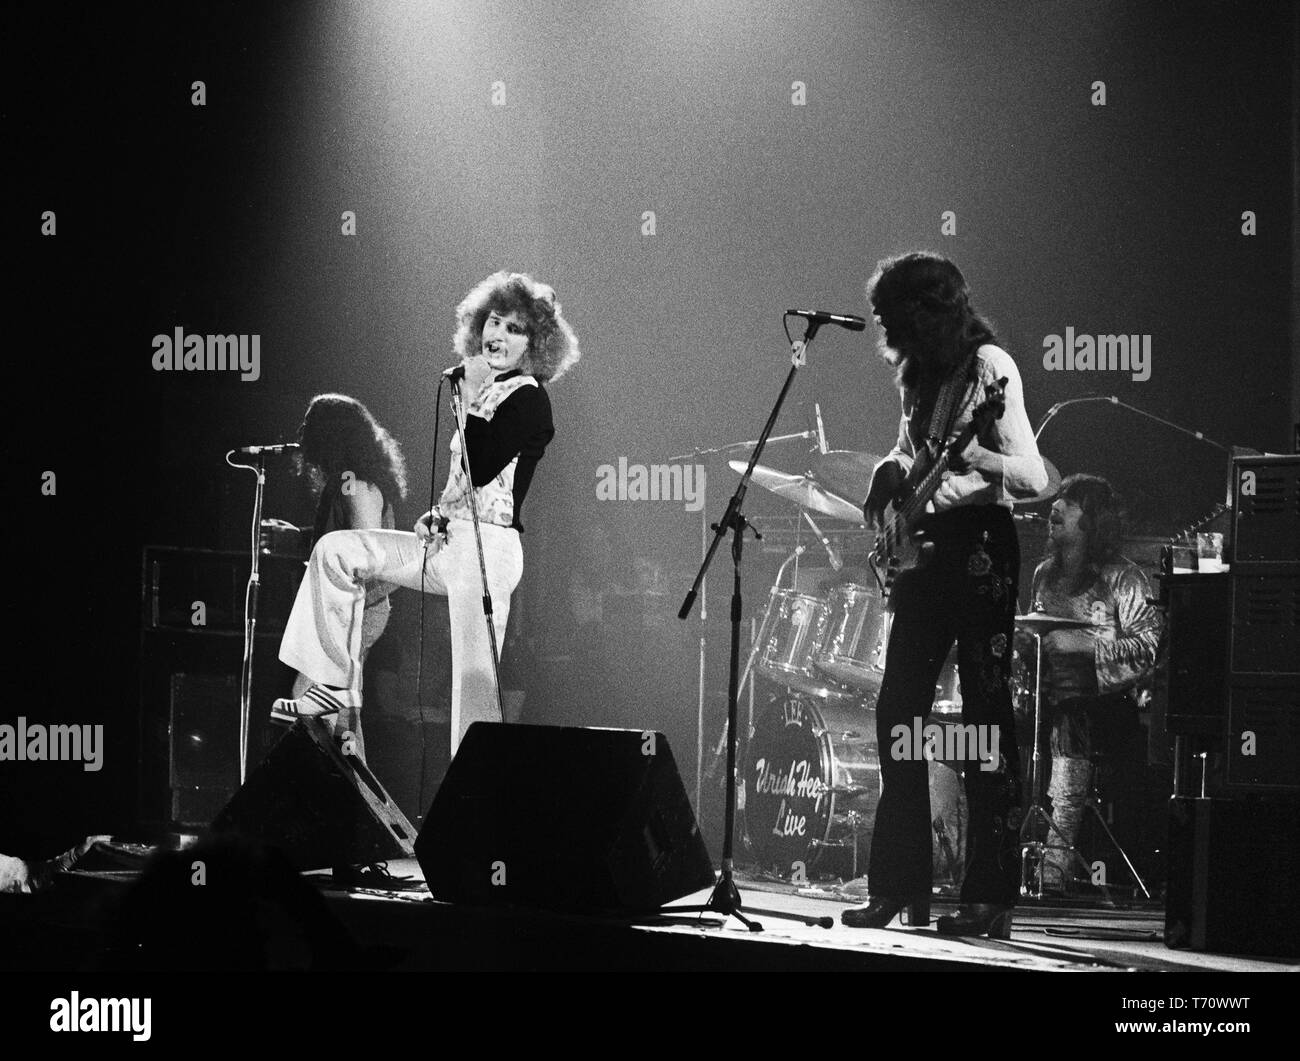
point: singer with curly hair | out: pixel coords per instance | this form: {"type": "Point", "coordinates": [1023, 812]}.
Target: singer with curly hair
{"type": "Point", "coordinates": [512, 339]}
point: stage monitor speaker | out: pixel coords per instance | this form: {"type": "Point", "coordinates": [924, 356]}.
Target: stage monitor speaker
{"type": "Point", "coordinates": [1234, 870]}
{"type": "Point", "coordinates": [566, 819]}
{"type": "Point", "coordinates": [320, 806]}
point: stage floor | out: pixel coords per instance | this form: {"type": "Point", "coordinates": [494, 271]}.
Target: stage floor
{"type": "Point", "coordinates": [65, 928]}
{"type": "Point", "coordinates": [1056, 938]}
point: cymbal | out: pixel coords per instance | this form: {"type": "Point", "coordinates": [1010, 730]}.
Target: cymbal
{"type": "Point", "coordinates": [845, 471]}
{"type": "Point", "coordinates": [849, 473]}
{"type": "Point", "coordinates": [803, 490]}
{"type": "Point", "coordinates": [1041, 621]}
{"type": "Point", "coordinates": [1048, 492]}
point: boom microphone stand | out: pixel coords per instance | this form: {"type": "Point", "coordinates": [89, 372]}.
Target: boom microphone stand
{"type": "Point", "coordinates": [726, 898]}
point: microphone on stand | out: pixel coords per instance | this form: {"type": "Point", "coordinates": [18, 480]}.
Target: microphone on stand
{"type": "Point", "coordinates": [257, 451]}
{"type": "Point", "coordinates": [820, 317]}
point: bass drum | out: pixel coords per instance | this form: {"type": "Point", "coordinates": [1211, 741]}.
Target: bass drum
{"type": "Point", "coordinates": [810, 786]}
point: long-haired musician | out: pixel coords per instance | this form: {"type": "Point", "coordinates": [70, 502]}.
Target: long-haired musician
{"type": "Point", "coordinates": [358, 474]}
{"type": "Point", "coordinates": [1089, 671]}
{"type": "Point", "coordinates": [945, 355]}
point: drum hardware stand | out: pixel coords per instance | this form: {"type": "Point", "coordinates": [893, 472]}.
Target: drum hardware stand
{"type": "Point", "coordinates": [1032, 848]}
{"type": "Point", "coordinates": [1035, 849]}
{"type": "Point", "coordinates": [1094, 805]}
{"type": "Point", "coordinates": [855, 820]}
{"type": "Point", "coordinates": [726, 899]}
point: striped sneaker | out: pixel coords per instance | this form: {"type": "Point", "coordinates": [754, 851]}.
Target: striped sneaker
{"type": "Point", "coordinates": [316, 701]}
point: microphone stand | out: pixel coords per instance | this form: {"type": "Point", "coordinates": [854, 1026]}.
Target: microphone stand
{"type": "Point", "coordinates": [726, 899]}
{"type": "Point", "coordinates": [700, 775]}
{"type": "Point", "coordinates": [250, 609]}
{"type": "Point", "coordinates": [458, 410]}
{"type": "Point", "coordinates": [704, 641]}
{"type": "Point", "coordinates": [1198, 435]}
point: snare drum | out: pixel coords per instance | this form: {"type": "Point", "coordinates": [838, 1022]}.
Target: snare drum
{"type": "Point", "coordinates": [857, 635]}
{"type": "Point", "coordinates": [810, 786]}
{"type": "Point", "coordinates": [792, 630]}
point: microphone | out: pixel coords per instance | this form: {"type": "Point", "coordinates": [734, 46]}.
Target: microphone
{"type": "Point", "coordinates": [837, 561]}
{"type": "Point", "coordinates": [820, 317]}
{"type": "Point", "coordinates": [455, 373]}
{"type": "Point", "coordinates": [257, 451]}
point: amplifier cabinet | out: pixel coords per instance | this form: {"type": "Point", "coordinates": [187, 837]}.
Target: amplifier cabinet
{"type": "Point", "coordinates": [1197, 609]}
{"type": "Point", "coordinates": [1266, 619]}
{"type": "Point", "coordinates": [1234, 871]}
{"type": "Point", "coordinates": [1263, 733]}
{"type": "Point", "coordinates": [189, 721]}
{"type": "Point", "coordinates": [1266, 509]}
{"type": "Point", "coordinates": [176, 581]}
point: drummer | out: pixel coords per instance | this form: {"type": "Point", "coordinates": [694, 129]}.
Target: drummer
{"type": "Point", "coordinates": [1090, 671]}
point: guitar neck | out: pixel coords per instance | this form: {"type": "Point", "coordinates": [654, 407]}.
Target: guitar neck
{"type": "Point", "coordinates": [916, 501]}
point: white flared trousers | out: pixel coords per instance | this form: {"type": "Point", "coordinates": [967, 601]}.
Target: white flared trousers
{"type": "Point", "coordinates": [323, 637]}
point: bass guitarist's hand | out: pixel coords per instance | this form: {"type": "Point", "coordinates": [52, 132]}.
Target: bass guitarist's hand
{"type": "Point", "coordinates": [884, 486]}
{"type": "Point", "coordinates": [975, 458]}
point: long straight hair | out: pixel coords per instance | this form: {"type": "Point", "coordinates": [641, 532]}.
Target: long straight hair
{"type": "Point", "coordinates": [924, 306]}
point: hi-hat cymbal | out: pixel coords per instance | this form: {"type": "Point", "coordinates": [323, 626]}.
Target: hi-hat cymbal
{"type": "Point", "coordinates": [1041, 621]}
{"type": "Point", "coordinates": [845, 471]}
{"type": "Point", "coordinates": [803, 490]}
{"type": "Point", "coordinates": [1048, 492]}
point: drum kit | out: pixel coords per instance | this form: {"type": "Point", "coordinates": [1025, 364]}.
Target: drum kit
{"type": "Point", "coordinates": [810, 772]}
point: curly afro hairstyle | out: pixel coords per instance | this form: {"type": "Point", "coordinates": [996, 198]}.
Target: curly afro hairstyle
{"type": "Point", "coordinates": [552, 346]}
{"type": "Point", "coordinates": [924, 305]}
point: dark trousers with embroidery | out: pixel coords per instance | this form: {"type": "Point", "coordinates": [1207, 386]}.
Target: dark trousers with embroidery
{"type": "Point", "coordinates": [967, 593]}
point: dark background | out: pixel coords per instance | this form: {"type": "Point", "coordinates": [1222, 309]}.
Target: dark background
{"type": "Point", "coordinates": [226, 218]}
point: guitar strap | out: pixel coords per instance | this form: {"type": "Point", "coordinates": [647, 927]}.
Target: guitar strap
{"type": "Point", "coordinates": [948, 403]}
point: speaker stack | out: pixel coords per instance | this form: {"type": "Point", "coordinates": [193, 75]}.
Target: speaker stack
{"type": "Point", "coordinates": [1263, 725]}
{"type": "Point", "coordinates": [191, 652]}
{"type": "Point", "coordinates": [1234, 693]}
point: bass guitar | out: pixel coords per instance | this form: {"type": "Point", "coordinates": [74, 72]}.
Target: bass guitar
{"type": "Point", "coordinates": [901, 543]}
